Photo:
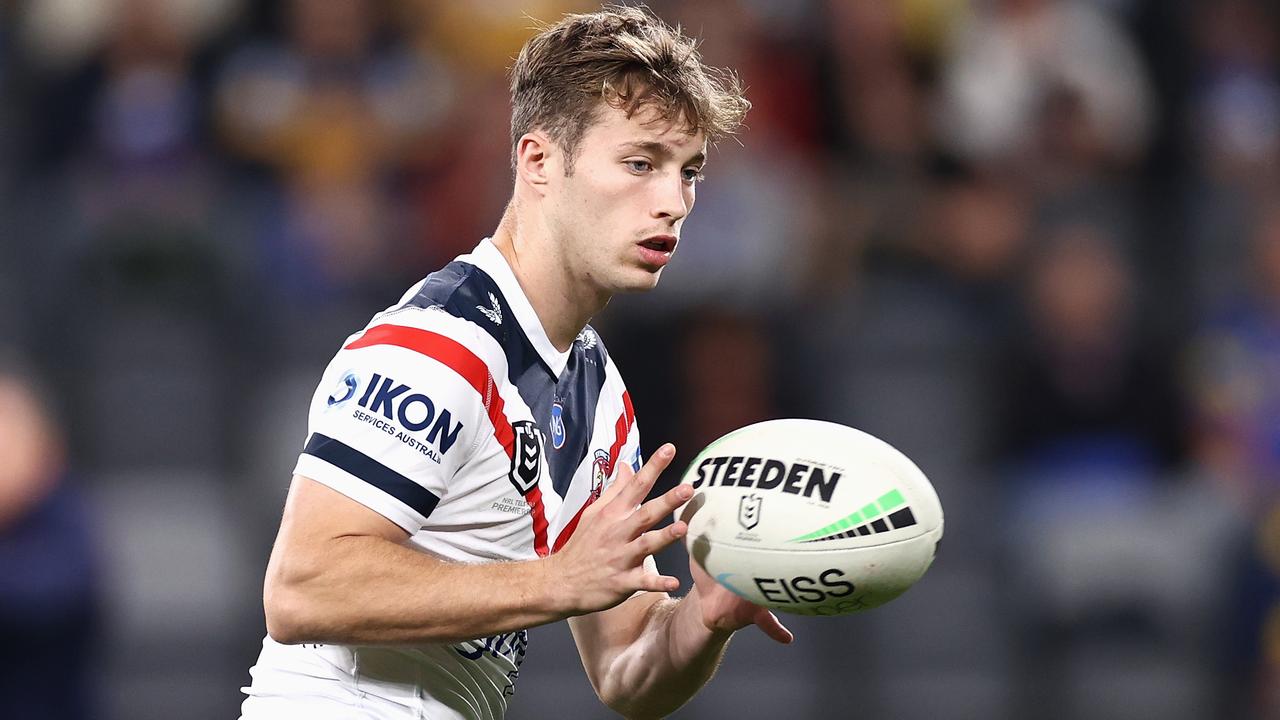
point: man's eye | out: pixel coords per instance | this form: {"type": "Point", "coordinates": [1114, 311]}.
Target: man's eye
{"type": "Point", "coordinates": [692, 174]}
{"type": "Point", "coordinates": [639, 165]}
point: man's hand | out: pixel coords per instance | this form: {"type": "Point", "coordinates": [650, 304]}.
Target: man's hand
{"type": "Point", "coordinates": [603, 563]}
{"type": "Point", "coordinates": [725, 612]}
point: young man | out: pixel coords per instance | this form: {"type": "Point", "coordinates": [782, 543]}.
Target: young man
{"type": "Point", "coordinates": [473, 467]}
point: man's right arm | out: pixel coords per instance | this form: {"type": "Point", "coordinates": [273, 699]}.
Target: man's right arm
{"type": "Point", "coordinates": [342, 573]}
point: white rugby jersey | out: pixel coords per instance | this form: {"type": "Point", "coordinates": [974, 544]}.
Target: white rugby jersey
{"type": "Point", "coordinates": [452, 415]}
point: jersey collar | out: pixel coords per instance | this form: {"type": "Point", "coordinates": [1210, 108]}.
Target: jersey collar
{"type": "Point", "coordinates": [488, 258]}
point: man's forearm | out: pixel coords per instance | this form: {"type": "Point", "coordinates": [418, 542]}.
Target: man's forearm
{"type": "Point", "coordinates": [366, 590]}
{"type": "Point", "coordinates": [340, 573]}
{"type": "Point", "coordinates": [672, 658]}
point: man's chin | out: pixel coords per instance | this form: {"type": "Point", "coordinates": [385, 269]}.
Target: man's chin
{"type": "Point", "coordinates": [639, 281]}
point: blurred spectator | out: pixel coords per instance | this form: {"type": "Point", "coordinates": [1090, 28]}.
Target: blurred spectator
{"type": "Point", "coordinates": [482, 38]}
{"type": "Point", "coordinates": [1101, 534]}
{"type": "Point", "coordinates": [1236, 101]}
{"type": "Point", "coordinates": [336, 99]}
{"type": "Point", "coordinates": [978, 232]}
{"type": "Point", "coordinates": [331, 109]}
{"type": "Point", "coordinates": [457, 185]}
{"type": "Point", "coordinates": [1236, 381]}
{"type": "Point", "coordinates": [1238, 378]}
{"type": "Point", "coordinates": [1086, 392]}
{"type": "Point", "coordinates": [59, 34]}
{"type": "Point", "coordinates": [1013, 60]}
{"type": "Point", "coordinates": [1235, 132]}
{"type": "Point", "coordinates": [48, 582]}
{"type": "Point", "coordinates": [115, 76]}
{"type": "Point", "coordinates": [874, 82]}
{"type": "Point", "coordinates": [879, 176]}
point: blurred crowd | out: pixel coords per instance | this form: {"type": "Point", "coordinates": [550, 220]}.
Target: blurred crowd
{"type": "Point", "coordinates": [1033, 243]}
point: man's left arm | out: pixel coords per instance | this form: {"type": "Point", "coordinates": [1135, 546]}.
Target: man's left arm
{"type": "Point", "coordinates": [649, 655]}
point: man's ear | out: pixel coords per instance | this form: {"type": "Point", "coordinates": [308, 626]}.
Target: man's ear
{"type": "Point", "coordinates": [537, 160]}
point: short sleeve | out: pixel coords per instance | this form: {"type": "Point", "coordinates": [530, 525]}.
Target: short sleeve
{"type": "Point", "coordinates": [394, 418]}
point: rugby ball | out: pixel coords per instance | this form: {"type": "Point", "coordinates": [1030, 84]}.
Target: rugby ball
{"type": "Point", "coordinates": [810, 517]}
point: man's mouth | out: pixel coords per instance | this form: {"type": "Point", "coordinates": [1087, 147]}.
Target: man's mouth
{"type": "Point", "coordinates": [661, 243]}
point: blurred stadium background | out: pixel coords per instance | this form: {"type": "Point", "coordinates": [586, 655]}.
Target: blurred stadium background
{"type": "Point", "coordinates": [1034, 244]}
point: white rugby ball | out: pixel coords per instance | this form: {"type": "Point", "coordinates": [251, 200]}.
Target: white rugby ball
{"type": "Point", "coordinates": [810, 517]}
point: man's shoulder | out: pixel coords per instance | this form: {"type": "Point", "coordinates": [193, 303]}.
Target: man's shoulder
{"type": "Point", "coordinates": [463, 291]}
{"type": "Point", "coordinates": [442, 290]}
{"type": "Point", "coordinates": [430, 324]}
{"type": "Point", "coordinates": [458, 298]}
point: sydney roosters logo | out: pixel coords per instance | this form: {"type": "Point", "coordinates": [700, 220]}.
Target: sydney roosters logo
{"type": "Point", "coordinates": [599, 473]}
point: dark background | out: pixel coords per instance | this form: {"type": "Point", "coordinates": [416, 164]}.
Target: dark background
{"type": "Point", "coordinates": [1033, 244]}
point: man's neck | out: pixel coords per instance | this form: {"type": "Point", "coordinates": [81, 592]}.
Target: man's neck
{"type": "Point", "coordinates": [564, 304]}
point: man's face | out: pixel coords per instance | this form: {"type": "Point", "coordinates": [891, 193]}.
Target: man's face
{"type": "Point", "coordinates": [618, 216]}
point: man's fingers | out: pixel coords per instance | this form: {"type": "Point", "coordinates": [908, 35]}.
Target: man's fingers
{"type": "Point", "coordinates": [657, 583]}
{"type": "Point", "coordinates": [655, 540]}
{"type": "Point", "coordinates": [634, 490]}
{"type": "Point", "coordinates": [769, 623]}
{"type": "Point", "coordinates": [661, 507]}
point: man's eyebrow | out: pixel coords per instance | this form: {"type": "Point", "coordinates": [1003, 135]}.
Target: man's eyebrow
{"type": "Point", "coordinates": [661, 149]}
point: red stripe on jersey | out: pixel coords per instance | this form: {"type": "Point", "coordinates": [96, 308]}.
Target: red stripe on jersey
{"type": "Point", "coordinates": [572, 525]}
{"type": "Point", "coordinates": [458, 358]}
{"type": "Point", "coordinates": [621, 429]}
{"type": "Point", "coordinates": [534, 498]}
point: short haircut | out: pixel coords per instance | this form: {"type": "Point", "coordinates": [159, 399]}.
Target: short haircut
{"type": "Point", "coordinates": [628, 58]}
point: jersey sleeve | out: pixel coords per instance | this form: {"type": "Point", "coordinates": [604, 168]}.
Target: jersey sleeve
{"type": "Point", "coordinates": [397, 413]}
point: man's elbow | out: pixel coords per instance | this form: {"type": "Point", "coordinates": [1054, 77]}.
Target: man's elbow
{"type": "Point", "coordinates": [609, 691]}
{"type": "Point", "coordinates": [286, 613]}
{"type": "Point", "coordinates": [629, 704]}
{"type": "Point", "coordinates": [618, 702]}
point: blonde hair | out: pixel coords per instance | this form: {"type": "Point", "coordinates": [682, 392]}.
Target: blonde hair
{"type": "Point", "coordinates": [628, 58]}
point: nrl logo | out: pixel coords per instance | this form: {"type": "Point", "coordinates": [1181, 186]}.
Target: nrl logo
{"type": "Point", "coordinates": [526, 456]}
{"type": "Point", "coordinates": [749, 511]}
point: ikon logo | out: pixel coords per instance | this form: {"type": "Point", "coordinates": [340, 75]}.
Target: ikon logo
{"type": "Point", "coordinates": [749, 511]}
{"type": "Point", "coordinates": [398, 402]}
